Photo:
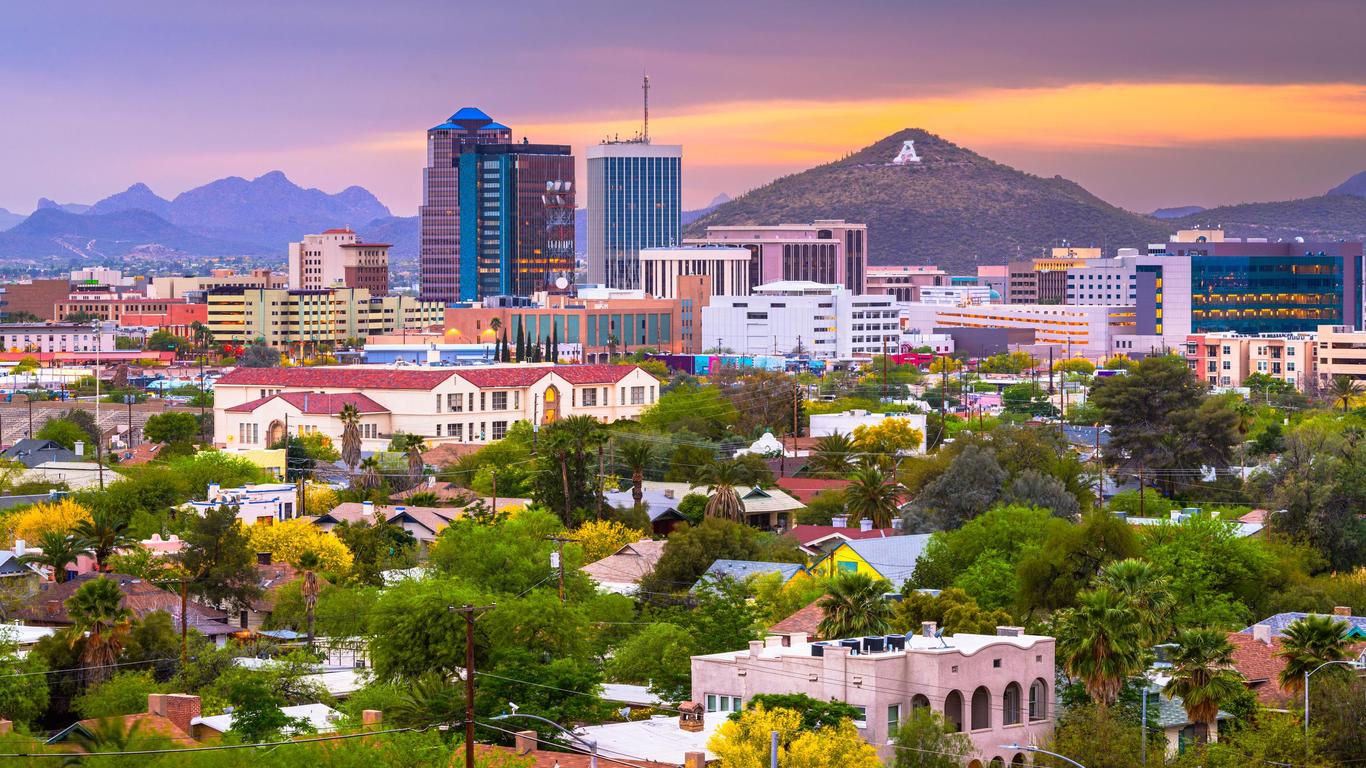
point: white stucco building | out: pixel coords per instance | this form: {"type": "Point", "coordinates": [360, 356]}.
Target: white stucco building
{"type": "Point", "coordinates": [728, 267]}
{"type": "Point", "coordinates": [822, 320]}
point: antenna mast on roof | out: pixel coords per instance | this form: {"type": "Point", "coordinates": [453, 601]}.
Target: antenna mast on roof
{"type": "Point", "coordinates": [645, 137]}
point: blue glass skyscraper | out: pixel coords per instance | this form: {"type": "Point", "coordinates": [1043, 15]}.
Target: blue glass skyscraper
{"type": "Point", "coordinates": [634, 202]}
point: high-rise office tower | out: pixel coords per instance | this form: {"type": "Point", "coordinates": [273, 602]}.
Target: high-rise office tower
{"type": "Point", "coordinates": [634, 191]}
{"type": "Point", "coordinates": [497, 217]}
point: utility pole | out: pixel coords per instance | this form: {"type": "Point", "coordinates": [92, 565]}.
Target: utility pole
{"type": "Point", "coordinates": [1100, 471]}
{"type": "Point", "coordinates": [535, 421]}
{"type": "Point", "coordinates": [184, 583]}
{"type": "Point", "coordinates": [99, 430]}
{"type": "Point", "coordinates": [601, 473]}
{"type": "Point", "coordinates": [494, 510]}
{"type": "Point", "coordinates": [885, 390]}
{"type": "Point", "coordinates": [471, 612]}
{"type": "Point", "coordinates": [557, 559]}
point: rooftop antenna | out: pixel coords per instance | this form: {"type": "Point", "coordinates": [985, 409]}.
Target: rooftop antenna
{"type": "Point", "coordinates": [646, 89]}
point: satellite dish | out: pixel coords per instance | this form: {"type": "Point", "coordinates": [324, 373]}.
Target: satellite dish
{"type": "Point", "coordinates": [561, 282]}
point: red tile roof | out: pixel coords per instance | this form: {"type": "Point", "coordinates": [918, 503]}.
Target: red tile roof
{"type": "Point", "coordinates": [804, 620]}
{"type": "Point", "coordinates": [338, 231]}
{"type": "Point", "coordinates": [593, 374]}
{"type": "Point", "coordinates": [48, 606]}
{"type": "Point", "coordinates": [806, 534]}
{"type": "Point", "coordinates": [339, 377]}
{"type": "Point", "coordinates": [316, 403]}
{"type": "Point", "coordinates": [807, 488]}
{"type": "Point", "coordinates": [1260, 665]}
{"type": "Point", "coordinates": [525, 376]}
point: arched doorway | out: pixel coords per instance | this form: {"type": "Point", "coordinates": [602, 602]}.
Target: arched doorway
{"type": "Point", "coordinates": [551, 404]}
{"type": "Point", "coordinates": [1010, 705]}
{"type": "Point", "coordinates": [275, 433]}
{"type": "Point", "coordinates": [953, 711]}
{"type": "Point", "coordinates": [1038, 699]}
{"type": "Point", "coordinates": [1018, 759]}
{"type": "Point", "coordinates": [981, 708]}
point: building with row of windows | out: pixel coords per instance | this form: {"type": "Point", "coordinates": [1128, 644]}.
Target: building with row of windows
{"type": "Point", "coordinates": [828, 251]}
{"type": "Point", "coordinates": [802, 317]}
{"type": "Point", "coordinates": [313, 318]}
{"type": "Point", "coordinates": [55, 337]}
{"type": "Point", "coordinates": [338, 258]}
{"type": "Point", "coordinates": [635, 193]}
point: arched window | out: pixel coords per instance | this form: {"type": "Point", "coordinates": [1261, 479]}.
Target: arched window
{"type": "Point", "coordinates": [1010, 705]}
{"type": "Point", "coordinates": [1018, 759]}
{"type": "Point", "coordinates": [981, 708]}
{"type": "Point", "coordinates": [1038, 700]}
{"type": "Point", "coordinates": [953, 711]}
{"type": "Point", "coordinates": [997, 762]}
{"type": "Point", "coordinates": [919, 701]}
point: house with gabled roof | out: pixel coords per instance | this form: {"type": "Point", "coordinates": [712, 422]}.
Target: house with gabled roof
{"type": "Point", "coordinates": [622, 571]}
{"type": "Point", "coordinates": [742, 570]}
{"type": "Point", "coordinates": [892, 558]}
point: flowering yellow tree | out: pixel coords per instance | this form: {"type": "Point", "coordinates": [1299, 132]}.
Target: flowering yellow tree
{"type": "Point", "coordinates": [600, 538]}
{"type": "Point", "coordinates": [288, 540]}
{"type": "Point", "coordinates": [59, 516]}
{"type": "Point", "coordinates": [887, 438]}
{"type": "Point", "coordinates": [744, 743]}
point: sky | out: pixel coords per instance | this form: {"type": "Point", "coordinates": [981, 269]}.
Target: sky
{"type": "Point", "coordinates": [1147, 104]}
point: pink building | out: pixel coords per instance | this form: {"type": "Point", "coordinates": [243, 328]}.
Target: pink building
{"type": "Point", "coordinates": [997, 688]}
{"type": "Point", "coordinates": [904, 281]}
{"type": "Point", "coordinates": [829, 251]}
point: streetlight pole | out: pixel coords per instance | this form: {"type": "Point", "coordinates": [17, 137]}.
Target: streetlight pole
{"type": "Point", "coordinates": [592, 745]}
{"type": "Point", "coordinates": [1307, 674]}
{"type": "Point", "coordinates": [1031, 748]}
{"type": "Point", "coordinates": [99, 431]}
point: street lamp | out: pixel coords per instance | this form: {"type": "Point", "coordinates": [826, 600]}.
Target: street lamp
{"type": "Point", "coordinates": [592, 745]}
{"type": "Point", "coordinates": [1308, 673]}
{"type": "Point", "coordinates": [1031, 748]}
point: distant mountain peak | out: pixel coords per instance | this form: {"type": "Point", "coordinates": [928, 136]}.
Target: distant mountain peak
{"type": "Point", "coordinates": [273, 177]}
{"type": "Point", "coordinates": [1355, 186]}
{"type": "Point", "coordinates": [720, 199]}
{"type": "Point", "coordinates": [45, 203]}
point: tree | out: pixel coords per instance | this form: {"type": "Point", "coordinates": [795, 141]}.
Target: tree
{"type": "Point", "coordinates": [1035, 489]}
{"type": "Point", "coordinates": [744, 742]}
{"type": "Point", "coordinates": [833, 456]}
{"type": "Point", "coordinates": [871, 496]}
{"type": "Point", "coordinates": [854, 605]}
{"type": "Point", "coordinates": [1217, 577]}
{"type": "Point", "coordinates": [104, 532]}
{"type": "Point", "coordinates": [97, 612]}
{"type": "Point", "coordinates": [600, 538]}
{"type": "Point", "coordinates": [521, 344]}
{"type": "Point", "coordinates": [20, 700]}
{"type": "Point", "coordinates": [1098, 643]}
{"type": "Point", "coordinates": [171, 427]}
{"type": "Point", "coordinates": [1343, 389]}
{"type": "Point", "coordinates": [369, 474]}
{"type": "Point", "coordinates": [698, 410]}
{"type": "Point", "coordinates": [165, 341]}
{"type": "Point", "coordinates": [924, 740]}
{"type": "Point", "coordinates": [375, 547]}
{"type": "Point", "coordinates": [412, 447]}
{"type": "Point", "coordinates": [259, 354]}
{"type": "Point", "coordinates": [1148, 593]}
{"type": "Point", "coordinates": [884, 441]}
{"type": "Point", "coordinates": [658, 656]}
{"type": "Point", "coordinates": [61, 516]}
{"type": "Point", "coordinates": [568, 481]}
{"type": "Point", "coordinates": [690, 550]}
{"type": "Point", "coordinates": [124, 693]}
{"type": "Point", "coordinates": [1203, 676]}
{"type": "Point", "coordinates": [58, 551]}
{"type": "Point", "coordinates": [951, 610]}
{"type": "Point", "coordinates": [636, 454]}
{"type": "Point", "coordinates": [1100, 737]}
{"type": "Point", "coordinates": [350, 452]}
{"type": "Point", "coordinates": [308, 588]}
{"type": "Point", "coordinates": [257, 713]}
{"type": "Point", "coordinates": [1309, 643]}
{"type": "Point", "coordinates": [219, 560]}
{"type": "Point", "coordinates": [289, 541]}
{"type": "Point", "coordinates": [970, 486]}
{"type": "Point", "coordinates": [721, 478]}
{"type": "Point", "coordinates": [62, 432]}
{"type": "Point", "coordinates": [1068, 558]}
{"type": "Point", "coordinates": [1006, 530]}
{"type": "Point", "coordinates": [815, 713]}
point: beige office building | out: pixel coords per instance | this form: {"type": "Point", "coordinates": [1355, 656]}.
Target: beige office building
{"type": "Point", "coordinates": [290, 319]}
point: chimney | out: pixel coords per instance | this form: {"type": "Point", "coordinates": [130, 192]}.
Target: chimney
{"type": "Point", "coordinates": [263, 558]}
{"type": "Point", "coordinates": [367, 508]}
{"type": "Point", "coordinates": [694, 760]}
{"type": "Point", "coordinates": [1009, 631]}
{"type": "Point", "coordinates": [756, 647]}
{"type": "Point", "coordinates": [79, 448]}
{"type": "Point", "coordinates": [928, 628]}
{"type": "Point", "coordinates": [668, 493]}
{"type": "Point", "coordinates": [865, 524]}
{"type": "Point", "coordinates": [370, 717]}
{"type": "Point", "coordinates": [20, 546]}
{"type": "Point", "coordinates": [1342, 610]}
{"type": "Point", "coordinates": [690, 714]}
{"type": "Point", "coordinates": [896, 523]}
{"type": "Point", "coordinates": [6, 726]}
{"type": "Point", "coordinates": [181, 708]}
{"type": "Point", "coordinates": [1262, 633]}
{"type": "Point", "coordinates": [839, 521]}
{"type": "Point", "coordinates": [53, 606]}
{"type": "Point", "coordinates": [156, 704]}
{"type": "Point", "coordinates": [526, 742]}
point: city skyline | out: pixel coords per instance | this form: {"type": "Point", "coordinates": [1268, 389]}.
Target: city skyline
{"type": "Point", "coordinates": [1183, 105]}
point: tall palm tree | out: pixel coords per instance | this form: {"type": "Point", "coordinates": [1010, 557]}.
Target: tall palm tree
{"type": "Point", "coordinates": [1203, 676]}
{"type": "Point", "coordinates": [1344, 389]}
{"type": "Point", "coordinates": [350, 442]}
{"type": "Point", "coordinates": [59, 551]}
{"type": "Point", "coordinates": [309, 588]}
{"type": "Point", "coordinates": [570, 438]}
{"type": "Point", "coordinates": [369, 473]}
{"type": "Point", "coordinates": [722, 478]}
{"type": "Point", "coordinates": [412, 446]}
{"type": "Point", "coordinates": [833, 455]}
{"type": "Point", "coordinates": [854, 605]}
{"type": "Point", "coordinates": [1149, 595]}
{"type": "Point", "coordinates": [103, 533]}
{"type": "Point", "coordinates": [98, 613]}
{"type": "Point", "coordinates": [871, 496]}
{"type": "Point", "coordinates": [1099, 643]}
{"type": "Point", "coordinates": [1308, 643]}
{"type": "Point", "coordinates": [636, 455]}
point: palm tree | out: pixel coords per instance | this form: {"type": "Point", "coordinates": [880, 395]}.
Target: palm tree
{"type": "Point", "coordinates": [636, 455]}
{"type": "Point", "coordinates": [430, 697]}
{"type": "Point", "coordinates": [833, 455]}
{"type": "Point", "coordinates": [1203, 676]}
{"type": "Point", "coordinates": [104, 533]}
{"type": "Point", "coordinates": [369, 473]}
{"type": "Point", "coordinates": [112, 734]}
{"type": "Point", "coordinates": [59, 551]}
{"type": "Point", "coordinates": [350, 447]}
{"type": "Point", "coordinates": [1099, 643]}
{"type": "Point", "coordinates": [309, 588]}
{"type": "Point", "coordinates": [412, 446]}
{"type": "Point", "coordinates": [1148, 592]}
{"type": "Point", "coordinates": [870, 496]}
{"type": "Point", "coordinates": [854, 605]}
{"type": "Point", "coordinates": [1344, 389]}
{"type": "Point", "coordinates": [571, 437]}
{"type": "Point", "coordinates": [722, 478]}
{"type": "Point", "coordinates": [97, 612]}
{"type": "Point", "coordinates": [1308, 643]}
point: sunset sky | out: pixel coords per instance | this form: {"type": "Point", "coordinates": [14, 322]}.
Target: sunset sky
{"type": "Point", "coordinates": [1145, 103]}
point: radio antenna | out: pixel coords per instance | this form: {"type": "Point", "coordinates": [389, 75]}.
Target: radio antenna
{"type": "Point", "coordinates": [646, 89]}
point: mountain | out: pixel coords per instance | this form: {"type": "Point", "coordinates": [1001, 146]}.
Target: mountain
{"type": "Point", "coordinates": [9, 219]}
{"type": "Point", "coordinates": [953, 208]}
{"type": "Point", "coordinates": [51, 231]}
{"type": "Point", "coordinates": [138, 197]}
{"type": "Point", "coordinates": [1353, 186]}
{"type": "Point", "coordinates": [43, 202]}
{"type": "Point", "coordinates": [404, 233]}
{"type": "Point", "coordinates": [1177, 212]}
{"type": "Point", "coordinates": [689, 217]}
{"type": "Point", "coordinates": [1330, 217]}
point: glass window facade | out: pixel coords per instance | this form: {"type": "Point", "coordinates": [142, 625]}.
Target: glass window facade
{"type": "Point", "coordinates": [635, 201]}
{"type": "Point", "coordinates": [1274, 294]}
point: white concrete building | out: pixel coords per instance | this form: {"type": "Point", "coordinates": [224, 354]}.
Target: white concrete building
{"type": "Point", "coordinates": [254, 407]}
{"type": "Point", "coordinates": [728, 267]}
{"type": "Point", "coordinates": [959, 295]}
{"type": "Point", "coordinates": [1086, 331]}
{"type": "Point", "coordinates": [822, 320]}
{"type": "Point", "coordinates": [55, 337]}
{"type": "Point", "coordinates": [264, 503]}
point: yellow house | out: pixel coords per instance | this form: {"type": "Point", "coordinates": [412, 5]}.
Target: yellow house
{"type": "Point", "coordinates": [892, 558]}
{"type": "Point", "coordinates": [272, 460]}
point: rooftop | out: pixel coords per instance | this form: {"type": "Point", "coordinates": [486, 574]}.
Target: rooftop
{"type": "Point", "coordinates": [1279, 622]}
{"type": "Point", "coordinates": [658, 738]}
{"type": "Point", "coordinates": [320, 403]}
{"type": "Point", "coordinates": [885, 645]}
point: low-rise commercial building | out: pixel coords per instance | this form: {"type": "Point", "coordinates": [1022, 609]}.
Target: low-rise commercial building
{"type": "Point", "coordinates": [55, 337]}
{"type": "Point", "coordinates": [255, 407]}
{"type": "Point", "coordinates": [1089, 331]}
{"type": "Point", "coordinates": [597, 328]}
{"type": "Point", "coordinates": [111, 307]}
{"type": "Point", "coordinates": [288, 319]}
{"type": "Point", "coordinates": [903, 281]}
{"type": "Point", "coordinates": [824, 251]}
{"type": "Point", "coordinates": [800, 317]}
{"type": "Point", "coordinates": [1227, 359]}
{"type": "Point", "coordinates": [728, 268]}
{"type": "Point", "coordinates": [1339, 350]}
{"type": "Point", "coordinates": [338, 258]}
{"type": "Point", "coordinates": [37, 298]}
{"type": "Point", "coordinates": [999, 689]}
{"type": "Point", "coordinates": [184, 286]}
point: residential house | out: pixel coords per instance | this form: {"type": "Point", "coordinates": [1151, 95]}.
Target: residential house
{"type": "Point", "coordinates": [637, 736]}
{"type": "Point", "coordinates": [1277, 624]}
{"type": "Point", "coordinates": [261, 503]}
{"type": "Point", "coordinates": [996, 688]}
{"type": "Point", "coordinates": [18, 580]}
{"type": "Point", "coordinates": [675, 741]}
{"type": "Point", "coordinates": [660, 501]}
{"type": "Point", "coordinates": [892, 558]}
{"type": "Point", "coordinates": [805, 622]}
{"type": "Point", "coordinates": [423, 523]}
{"type": "Point", "coordinates": [806, 489]}
{"type": "Point", "coordinates": [817, 541]}
{"type": "Point", "coordinates": [47, 608]}
{"type": "Point", "coordinates": [1178, 516]}
{"type": "Point", "coordinates": [169, 717]}
{"type": "Point", "coordinates": [270, 576]}
{"type": "Point", "coordinates": [621, 571]}
{"type": "Point", "coordinates": [741, 570]}
{"type": "Point", "coordinates": [769, 509]}
{"type": "Point", "coordinates": [1175, 724]}
{"type": "Point", "coordinates": [32, 452]}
